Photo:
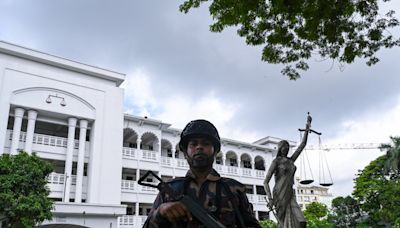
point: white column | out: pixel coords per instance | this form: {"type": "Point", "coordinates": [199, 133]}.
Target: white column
{"type": "Point", "coordinates": [32, 114]}
{"type": "Point", "coordinates": [137, 209]}
{"type": "Point", "coordinates": [137, 175]}
{"type": "Point", "coordinates": [139, 153]}
{"type": "Point", "coordinates": [81, 160]}
{"type": "Point", "coordinates": [68, 161]}
{"type": "Point", "coordinates": [223, 158]}
{"type": "Point", "coordinates": [173, 150]}
{"type": "Point", "coordinates": [138, 141]}
{"type": "Point", "coordinates": [19, 114]}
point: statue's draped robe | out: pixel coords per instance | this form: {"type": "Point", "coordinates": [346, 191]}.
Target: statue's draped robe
{"type": "Point", "coordinates": [288, 211]}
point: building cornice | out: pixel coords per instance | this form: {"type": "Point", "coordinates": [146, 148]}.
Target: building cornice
{"type": "Point", "coordinates": [41, 57]}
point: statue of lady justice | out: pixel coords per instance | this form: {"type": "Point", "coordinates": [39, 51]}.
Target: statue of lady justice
{"type": "Point", "coordinates": [288, 212]}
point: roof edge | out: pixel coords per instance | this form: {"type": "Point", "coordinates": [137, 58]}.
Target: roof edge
{"type": "Point", "coordinates": [41, 57]}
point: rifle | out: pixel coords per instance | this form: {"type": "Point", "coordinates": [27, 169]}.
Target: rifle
{"type": "Point", "coordinates": [197, 211]}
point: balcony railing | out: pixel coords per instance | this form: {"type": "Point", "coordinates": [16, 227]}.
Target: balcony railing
{"type": "Point", "coordinates": [246, 172]}
{"type": "Point", "coordinates": [47, 140]}
{"type": "Point", "coordinates": [129, 185]}
{"type": "Point", "coordinates": [149, 155]}
{"type": "Point", "coordinates": [167, 161]}
{"type": "Point", "coordinates": [260, 173]}
{"type": "Point", "coordinates": [262, 198]}
{"type": "Point", "coordinates": [126, 220]}
{"type": "Point", "coordinates": [129, 152]}
{"type": "Point", "coordinates": [131, 221]}
{"type": "Point", "coordinates": [182, 163]}
{"type": "Point", "coordinates": [56, 178]}
{"type": "Point", "coordinates": [59, 178]}
{"type": "Point", "coordinates": [233, 170]}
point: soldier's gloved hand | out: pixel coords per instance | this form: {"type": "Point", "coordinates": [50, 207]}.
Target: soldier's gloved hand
{"type": "Point", "coordinates": [175, 211]}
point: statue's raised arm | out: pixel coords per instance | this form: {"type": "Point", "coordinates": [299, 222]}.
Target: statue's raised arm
{"type": "Point", "coordinates": [303, 143]}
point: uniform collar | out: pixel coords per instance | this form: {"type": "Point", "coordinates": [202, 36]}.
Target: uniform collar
{"type": "Point", "coordinates": [212, 176]}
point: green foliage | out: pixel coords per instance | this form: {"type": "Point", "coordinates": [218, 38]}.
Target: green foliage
{"type": "Point", "coordinates": [392, 154]}
{"type": "Point", "coordinates": [294, 30]}
{"type": "Point", "coordinates": [397, 223]}
{"type": "Point", "coordinates": [317, 210]}
{"type": "Point", "coordinates": [268, 224]}
{"type": "Point", "coordinates": [378, 191]}
{"type": "Point", "coordinates": [24, 198]}
{"type": "Point", "coordinates": [345, 212]}
{"type": "Point", "coordinates": [315, 215]}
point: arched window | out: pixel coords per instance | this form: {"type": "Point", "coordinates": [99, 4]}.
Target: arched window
{"type": "Point", "coordinates": [130, 138]}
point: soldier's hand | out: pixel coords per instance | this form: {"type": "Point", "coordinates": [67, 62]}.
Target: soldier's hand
{"type": "Point", "coordinates": [175, 211]}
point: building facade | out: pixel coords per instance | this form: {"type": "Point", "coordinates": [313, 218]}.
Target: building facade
{"type": "Point", "coordinates": [71, 114]}
{"type": "Point", "coordinates": [307, 194]}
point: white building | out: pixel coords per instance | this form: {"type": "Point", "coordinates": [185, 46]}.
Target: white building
{"type": "Point", "coordinates": [71, 114]}
{"type": "Point", "coordinates": [307, 194]}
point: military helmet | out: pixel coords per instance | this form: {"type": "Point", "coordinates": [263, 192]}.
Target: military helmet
{"type": "Point", "coordinates": [200, 128]}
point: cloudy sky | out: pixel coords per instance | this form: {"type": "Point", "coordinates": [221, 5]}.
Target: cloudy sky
{"type": "Point", "coordinates": [178, 71]}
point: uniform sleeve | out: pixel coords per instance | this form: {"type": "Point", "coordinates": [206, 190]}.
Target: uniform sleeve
{"type": "Point", "coordinates": [154, 219]}
{"type": "Point", "coordinates": [247, 212]}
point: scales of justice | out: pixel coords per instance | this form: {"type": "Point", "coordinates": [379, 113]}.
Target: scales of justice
{"type": "Point", "coordinates": [324, 173]}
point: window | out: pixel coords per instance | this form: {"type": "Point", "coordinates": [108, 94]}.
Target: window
{"type": "Point", "coordinates": [247, 164]}
{"type": "Point", "coordinates": [129, 177]}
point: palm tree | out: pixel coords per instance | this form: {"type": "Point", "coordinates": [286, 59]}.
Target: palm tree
{"type": "Point", "coordinates": [392, 154]}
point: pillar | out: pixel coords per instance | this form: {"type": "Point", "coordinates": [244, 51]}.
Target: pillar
{"type": "Point", "coordinates": [173, 150]}
{"type": "Point", "coordinates": [81, 160]}
{"type": "Point", "coordinates": [19, 114]}
{"type": "Point", "coordinates": [68, 162]}
{"type": "Point", "coordinates": [137, 209]}
{"type": "Point", "coordinates": [30, 131]}
{"type": "Point", "coordinates": [138, 141]}
{"type": "Point", "coordinates": [137, 174]}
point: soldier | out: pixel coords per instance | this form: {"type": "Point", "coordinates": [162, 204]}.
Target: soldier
{"type": "Point", "coordinates": [223, 198]}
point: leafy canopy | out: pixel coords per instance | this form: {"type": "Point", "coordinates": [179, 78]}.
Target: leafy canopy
{"type": "Point", "coordinates": [294, 30]}
{"type": "Point", "coordinates": [315, 215]}
{"type": "Point", "coordinates": [268, 224]}
{"type": "Point", "coordinates": [345, 212]}
{"type": "Point", "coordinates": [24, 198]}
{"type": "Point", "coordinates": [378, 191]}
{"type": "Point", "coordinates": [392, 154]}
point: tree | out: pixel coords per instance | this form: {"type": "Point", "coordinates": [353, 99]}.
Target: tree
{"type": "Point", "coordinates": [268, 224]}
{"type": "Point", "coordinates": [24, 198]}
{"type": "Point", "coordinates": [294, 30]}
{"type": "Point", "coordinates": [392, 154]}
{"type": "Point", "coordinates": [345, 212]}
{"type": "Point", "coordinates": [315, 215]}
{"type": "Point", "coordinates": [378, 191]}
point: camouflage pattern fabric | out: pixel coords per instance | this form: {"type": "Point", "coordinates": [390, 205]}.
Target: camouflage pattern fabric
{"type": "Point", "coordinates": [205, 195]}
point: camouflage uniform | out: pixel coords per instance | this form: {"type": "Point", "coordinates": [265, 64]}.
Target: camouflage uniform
{"type": "Point", "coordinates": [206, 196]}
